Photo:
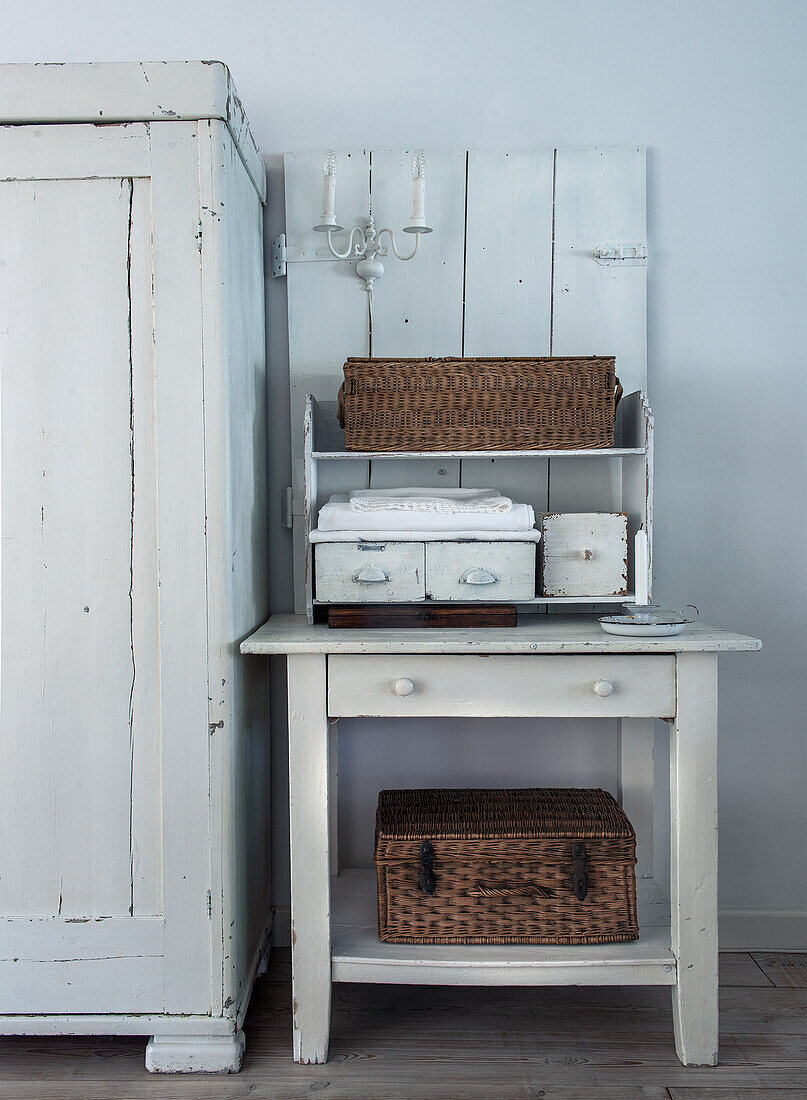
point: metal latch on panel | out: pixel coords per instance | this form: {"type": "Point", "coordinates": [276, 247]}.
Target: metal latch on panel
{"type": "Point", "coordinates": [633, 254]}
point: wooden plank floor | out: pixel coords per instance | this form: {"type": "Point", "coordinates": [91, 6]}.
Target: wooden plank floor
{"type": "Point", "coordinates": [399, 1042]}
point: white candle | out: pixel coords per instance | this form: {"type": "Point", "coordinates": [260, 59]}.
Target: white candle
{"type": "Point", "coordinates": [640, 567]}
{"type": "Point", "coordinates": [329, 185]}
{"type": "Point", "coordinates": [419, 185]}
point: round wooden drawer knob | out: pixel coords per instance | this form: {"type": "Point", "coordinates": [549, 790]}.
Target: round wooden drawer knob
{"type": "Point", "coordinates": [603, 688]}
{"type": "Point", "coordinates": [403, 687]}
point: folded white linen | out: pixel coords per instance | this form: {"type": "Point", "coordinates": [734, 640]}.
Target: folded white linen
{"type": "Point", "coordinates": [337, 515]}
{"type": "Point", "coordinates": [424, 536]}
{"type": "Point", "coordinates": [444, 502]}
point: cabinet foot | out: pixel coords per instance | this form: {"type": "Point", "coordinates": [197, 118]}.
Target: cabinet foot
{"type": "Point", "coordinates": [195, 1053]}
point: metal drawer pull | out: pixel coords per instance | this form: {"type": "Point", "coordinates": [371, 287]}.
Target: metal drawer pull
{"type": "Point", "coordinates": [403, 687]}
{"type": "Point", "coordinates": [478, 576]}
{"type": "Point", "coordinates": [371, 574]}
{"type": "Point", "coordinates": [603, 688]}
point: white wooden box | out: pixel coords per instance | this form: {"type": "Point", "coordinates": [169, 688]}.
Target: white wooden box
{"type": "Point", "coordinates": [585, 554]}
{"type": "Point", "coordinates": [488, 571]}
{"type": "Point", "coordinates": [389, 572]}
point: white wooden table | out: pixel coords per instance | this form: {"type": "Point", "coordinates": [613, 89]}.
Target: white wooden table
{"type": "Point", "coordinates": [544, 667]}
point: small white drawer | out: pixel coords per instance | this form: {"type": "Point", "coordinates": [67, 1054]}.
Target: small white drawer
{"type": "Point", "coordinates": [584, 554]}
{"type": "Point", "coordinates": [488, 571]}
{"type": "Point", "coordinates": [388, 572]}
{"type": "Point", "coordinates": [578, 686]}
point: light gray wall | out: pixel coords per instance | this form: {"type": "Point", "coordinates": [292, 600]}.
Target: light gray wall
{"type": "Point", "coordinates": [716, 90]}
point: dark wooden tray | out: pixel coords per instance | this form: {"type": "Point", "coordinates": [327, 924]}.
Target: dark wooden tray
{"type": "Point", "coordinates": [393, 617]}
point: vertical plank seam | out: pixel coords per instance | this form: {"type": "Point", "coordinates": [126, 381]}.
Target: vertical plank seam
{"type": "Point", "coordinates": [464, 260]}
{"type": "Point", "coordinates": [131, 542]}
{"type": "Point", "coordinates": [369, 291]}
{"type": "Point", "coordinates": [551, 315]}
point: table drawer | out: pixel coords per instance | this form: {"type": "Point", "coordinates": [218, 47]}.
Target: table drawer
{"type": "Point", "coordinates": [580, 686]}
{"type": "Point", "coordinates": [389, 572]}
{"type": "Point", "coordinates": [489, 571]}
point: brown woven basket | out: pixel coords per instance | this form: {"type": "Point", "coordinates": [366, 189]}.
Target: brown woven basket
{"type": "Point", "coordinates": [478, 404]}
{"type": "Point", "coordinates": [504, 866]}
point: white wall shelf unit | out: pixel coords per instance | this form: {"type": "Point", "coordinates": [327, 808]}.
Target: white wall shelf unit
{"type": "Point", "coordinates": [618, 479]}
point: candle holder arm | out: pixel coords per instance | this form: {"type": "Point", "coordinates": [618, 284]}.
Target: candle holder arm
{"type": "Point", "coordinates": [391, 236]}
{"type": "Point", "coordinates": [354, 248]}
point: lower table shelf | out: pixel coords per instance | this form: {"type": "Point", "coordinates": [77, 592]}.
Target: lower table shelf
{"type": "Point", "coordinates": [357, 954]}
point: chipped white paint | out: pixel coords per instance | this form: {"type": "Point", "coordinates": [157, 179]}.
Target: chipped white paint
{"type": "Point", "coordinates": [195, 1054]}
{"type": "Point", "coordinates": [132, 730]}
{"type": "Point", "coordinates": [677, 949]}
{"type": "Point", "coordinates": [471, 571]}
{"type": "Point", "coordinates": [693, 858]}
{"type": "Point", "coordinates": [501, 686]}
{"type": "Point", "coordinates": [387, 572]}
{"type": "Point", "coordinates": [310, 883]}
{"type": "Point", "coordinates": [584, 554]}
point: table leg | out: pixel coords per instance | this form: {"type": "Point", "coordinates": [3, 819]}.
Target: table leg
{"type": "Point", "coordinates": [310, 883]}
{"type": "Point", "coordinates": [636, 786]}
{"type": "Point", "coordinates": [693, 866]}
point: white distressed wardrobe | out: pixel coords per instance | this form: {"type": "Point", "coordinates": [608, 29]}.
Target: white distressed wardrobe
{"type": "Point", "coordinates": [134, 823]}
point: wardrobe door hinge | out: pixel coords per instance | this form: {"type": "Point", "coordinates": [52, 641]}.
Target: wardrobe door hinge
{"type": "Point", "coordinates": [289, 508]}
{"type": "Point", "coordinates": [199, 236]}
{"type": "Point", "coordinates": [209, 905]}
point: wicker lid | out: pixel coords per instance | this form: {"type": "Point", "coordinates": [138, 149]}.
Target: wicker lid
{"type": "Point", "coordinates": [490, 814]}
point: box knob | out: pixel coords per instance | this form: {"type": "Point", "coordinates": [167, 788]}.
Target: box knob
{"type": "Point", "coordinates": [603, 688]}
{"type": "Point", "coordinates": [403, 687]}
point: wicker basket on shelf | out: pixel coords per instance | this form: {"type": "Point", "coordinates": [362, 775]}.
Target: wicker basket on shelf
{"type": "Point", "coordinates": [479, 404]}
{"type": "Point", "coordinates": [504, 866]}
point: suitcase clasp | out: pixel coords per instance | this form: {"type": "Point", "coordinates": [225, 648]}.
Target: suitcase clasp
{"type": "Point", "coordinates": [426, 879]}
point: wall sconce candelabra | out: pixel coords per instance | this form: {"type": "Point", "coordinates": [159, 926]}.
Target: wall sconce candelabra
{"type": "Point", "coordinates": [365, 244]}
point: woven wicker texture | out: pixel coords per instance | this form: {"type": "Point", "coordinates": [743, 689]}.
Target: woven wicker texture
{"type": "Point", "coordinates": [503, 867]}
{"type": "Point", "coordinates": [478, 404]}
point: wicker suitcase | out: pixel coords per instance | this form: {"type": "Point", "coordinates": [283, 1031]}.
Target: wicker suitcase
{"type": "Point", "coordinates": [504, 866]}
{"type": "Point", "coordinates": [478, 404]}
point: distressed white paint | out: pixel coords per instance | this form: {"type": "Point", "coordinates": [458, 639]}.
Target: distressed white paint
{"type": "Point", "coordinates": [470, 571]}
{"type": "Point", "coordinates": [693, 858]}
{"type": "Point", "coordinates": [567, 634]}
{"type": "Point", "coordinates": [359, 955]}
{"type": "Point", "coordinates": [129, 728]}
{"type": "Point", "coordinates": [195, 1053]}
{"type": "Point", "coordinates": [389, 572]}
{"type": "Point", "coordinates": [680, 951]}
{"type": "Point", "coordinates": [308, 806]}
{"type": "Point", "coordinates": [501, 686]}
{"type": "Point", "coordinates": [584, 554]}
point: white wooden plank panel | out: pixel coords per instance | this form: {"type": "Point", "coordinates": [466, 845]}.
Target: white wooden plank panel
{"type": "Point", "coordinates": [183, 614]}
{"type": "Point", "coordinates": [417, 305]}
{"type": "Point", "coordinates": [115, 984]}
{"type": "Point", "coordinates": [76, 153]}
{"type": "Point", "coordinates": [508, 265]}
{"type": "Point", "coordinates": [146, 739]}
{"type": "Point", "coordinates": [42, 940]}
{"type": "Point", "coordinates": [598, 310]}
{"type": "Point", "coordinates": [67, 501]}
{"type": "Point", "coordinates": [328, 309]}
{"type": "Point", "coordinates": [236, 505]}
{"type": "Point", "coordinates": [396, 473]}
